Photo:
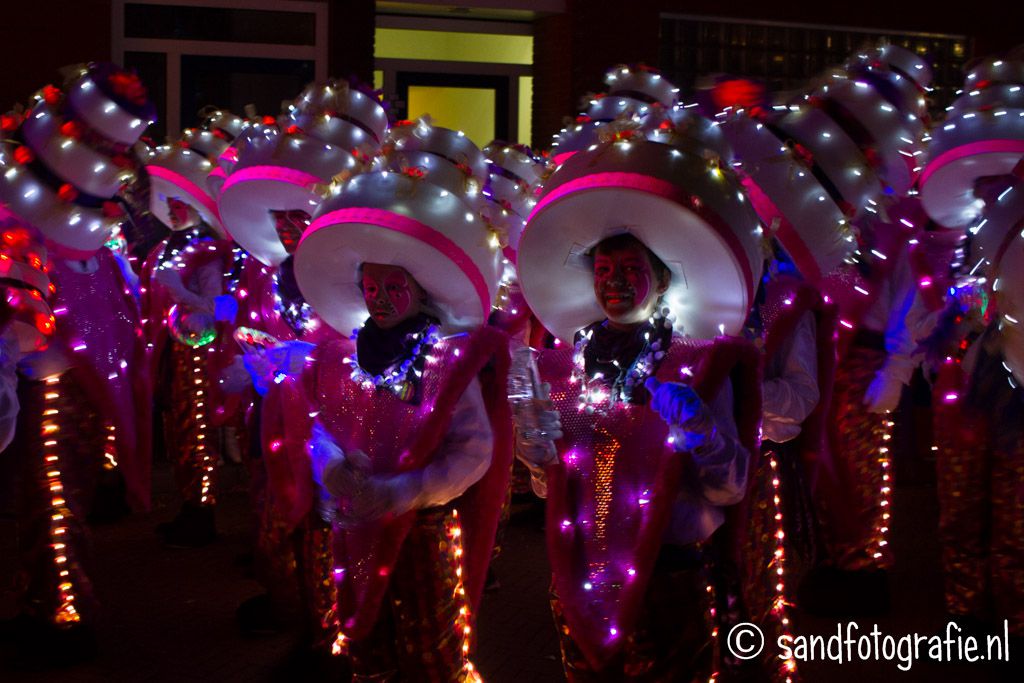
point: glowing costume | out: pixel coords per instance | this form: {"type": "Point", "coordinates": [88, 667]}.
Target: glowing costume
{"type": "Point", "coordinates": [82, 435]}
{"type": "Point", "coordinates": [186, 285]}
{"type": "Point", "coordinates": [274, 185]}
{"type": "Point", "coordinates": [418, 488]}
{"type": "Point", "coordinates": [633, 495]}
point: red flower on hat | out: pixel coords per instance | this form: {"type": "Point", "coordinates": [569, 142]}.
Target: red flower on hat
{"type": "Point", "coordinates": [871, 155]}
{"type": "Point", "coordinates": [72, 129]}
{"type": "Point", "coordinates": [803, 153]}
{"type": "Point", "coordinates": [414, 172]}
{"type": "Point", "coordinates": [112, 210]}
{"type": "Point", "coordinates": [23, 155]}
{"type": "Point", "coordinates": [67, 192]}
{"type": "Point", "coordinates": [17, 237]}
{"type": "Point", "coordinates": [129, 86]}
{"type": "Point", "coordinates": [293, 130]}
{"type": "Point", "coordinates": [44, 323]}
{"type": "Point", "coordinates": [51, 94]}
{"type": "Point", "coordinates": [269, 120]}
{"type": "Point", "coordinates": [9, 122]}
{"type": "Point", "coordinates": [121, 161]}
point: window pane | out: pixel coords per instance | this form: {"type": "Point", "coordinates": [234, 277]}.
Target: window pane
{"type": "Point", "coordinates": [219, 24]}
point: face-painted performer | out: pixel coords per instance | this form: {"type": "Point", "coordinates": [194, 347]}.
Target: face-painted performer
{"type": "Point", "coordinates": [413, 441]}
{"type": "Point", "coordinates": [278, 179]}
{"type": "Point", "coordinates": [82, 437]}
{"type": "Point", "coordinates": [640, 429]}
{"type": "Point", "coordinates": [188, 310]}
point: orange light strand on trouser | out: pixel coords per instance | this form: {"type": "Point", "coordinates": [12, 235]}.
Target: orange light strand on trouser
{"type": "Point", "coordinates": [194, 456]}
{"type": "Point", "coordinates": [980, 467]}
{"type": "Point", "coordinates": [66, 611]}
{"type": "Point", "coordinates": [787, 669]}
{"type": "Point", "coordinates": [425, 625]}
{"type": "Point", "coordinates": [862, 448]}
{"type": "Point", "coordinates": [110, 449]}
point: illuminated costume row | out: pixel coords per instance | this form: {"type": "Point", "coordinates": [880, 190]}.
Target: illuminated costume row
{"type": "Point", "coordinates": [972, 185]}
{"type": "Point", "coordinates": [82, 439]}
{"type": "Point", "coordinates": [281, 175]}
{"type": "Point", "coordinates": [188, 311]}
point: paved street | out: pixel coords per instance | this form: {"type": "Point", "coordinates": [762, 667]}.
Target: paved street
{"type": "Point", "coordinates": [168, 614]}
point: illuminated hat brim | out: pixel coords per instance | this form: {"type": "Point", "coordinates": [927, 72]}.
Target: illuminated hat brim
{"type": "Point", "coordinates": [249, 195]}
{"type": "Point", "coordinates": [787, 196]}
{"type": "Point", "coordinates": [392, 219]}
{"type": "Point", "coordinates": [167, 183]}
{"type": "Point", "coordinates": [692, 219]}
{"type": "Point", "coordinates": [972, 146]}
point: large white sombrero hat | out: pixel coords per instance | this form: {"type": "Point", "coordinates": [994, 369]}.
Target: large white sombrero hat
{"type": "Point", "coordinates": [392, 218]}
{"type": "Point", "coordinates": [790, 198]}
{"type": "Point", "coordinates": [835, 155]}
{"type": "Point", "coordinates": [277, 172]}
{"type": "Point", "coordinates": [893, 135]}
{"type": "Point", "coordinates": [25, 286]}
{"type": "Point", "coordinates": [178, 172]}
{"type": "Point", "coordinates": [111, 101]}
{"type": "Point", "coordinates": [983, 136]}
{"type": "Point", "coordinates": [73, 230]}
{"type": "Point", "coordinates": [339, 115]}
{"type": "Point", "coordinates": [689, 212]}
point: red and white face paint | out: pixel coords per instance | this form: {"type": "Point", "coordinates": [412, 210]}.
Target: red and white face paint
{"type": "Point", "coordinates": [392, 295]}
{"type": "Point", "coordinates": [290, 225]}
{"type": "Point", "coordinates": [181, 214]}
{"type": "Point", "coordinates": [626, 285]}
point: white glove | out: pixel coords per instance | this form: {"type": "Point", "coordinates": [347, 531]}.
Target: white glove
{"type": "Point", "coordinates": [364, 497]}
{"type": "Point", "coordinates": [690, 424]}
{"type": "Point", "coordinates": [235, 378]}
{"type": "Point", "coordinates": [323, 452]}
{"type": "Point", "coordinates": [42, 364]}
{"type": "Point", "coordinates": [171, 279]}
{"type": "Point", "coordinates": [883, 394]}
{"type": "Point", "coordinates": [537, 429]}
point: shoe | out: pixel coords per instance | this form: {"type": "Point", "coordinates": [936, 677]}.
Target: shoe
{"type": "Point", "coordinates": [833, 592]}
{"type": "Point", "coordinates": [257, 617]}
{"type": "Point", "coordinates": [307, 663]}
{"type": "Point", "coordinates": [109, 503]}
{"type": "Point", "coordinates": [193, 528]}
{"type": "Point", "coordinates": [41, 645]}
{"type": "Point", "coordinates": [491, 583]}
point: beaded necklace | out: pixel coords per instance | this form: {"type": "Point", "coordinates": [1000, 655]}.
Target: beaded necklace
{"type": "Point", "coordinates": [596, 394]}
{"type": "Point", "coordinates": [400, 377]}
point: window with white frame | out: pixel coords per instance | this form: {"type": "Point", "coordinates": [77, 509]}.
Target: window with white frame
{"type": "Point", "coordinates": [226, 53]}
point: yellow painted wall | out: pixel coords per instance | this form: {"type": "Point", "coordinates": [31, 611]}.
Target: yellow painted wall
{"type": "Point", "coordinates": [470, 110]}
{"type": "Point", "coordinates": [452, 46]}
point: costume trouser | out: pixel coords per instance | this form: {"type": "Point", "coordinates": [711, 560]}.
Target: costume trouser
{"type": "Point", "coordinates": [423, 631]}
{"type": "Point", "coordinates": [980, 468]}
{"type": "Point", "coordinates": [193, 443]}
{"type": "Point", "coordinates": [781, 544]}
{"type": "Point", "coordinates": [189, 436]}
{"type": "Point", "coordinates": [860, 443]}
{"type": "Point", "coordinates": [59, 445]}
{"type": "Point", "coordinates": [672, 640]}
{"type": "Point", "coordinates": [295, 564]}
